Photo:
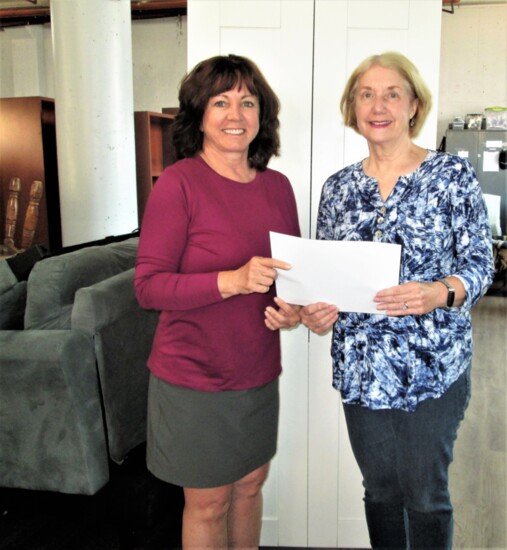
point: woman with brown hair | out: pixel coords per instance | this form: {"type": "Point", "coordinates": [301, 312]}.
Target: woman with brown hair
{"type": "Point", "coordinates": [204, 261]}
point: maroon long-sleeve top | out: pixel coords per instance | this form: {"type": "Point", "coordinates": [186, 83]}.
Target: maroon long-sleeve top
{"type": "Point", "coordinates": [196, 224]}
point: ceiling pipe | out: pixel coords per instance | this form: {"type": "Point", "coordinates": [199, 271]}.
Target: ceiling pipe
{"type": "Point", "coordinates": [451, 2]}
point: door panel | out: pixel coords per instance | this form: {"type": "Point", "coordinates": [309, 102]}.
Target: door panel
{"type": "Point", "coordinates": [307, 49]}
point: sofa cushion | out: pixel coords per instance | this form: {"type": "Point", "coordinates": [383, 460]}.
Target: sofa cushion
{"type": "Point", "coordinates": [54, 281]}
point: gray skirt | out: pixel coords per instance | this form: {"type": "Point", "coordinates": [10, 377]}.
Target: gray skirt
{"type": "Point", "coordinates": [204, 439]}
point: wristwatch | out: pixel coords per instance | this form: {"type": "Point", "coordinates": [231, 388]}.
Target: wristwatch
{"type": "Point", "coordinates": [450, 292]}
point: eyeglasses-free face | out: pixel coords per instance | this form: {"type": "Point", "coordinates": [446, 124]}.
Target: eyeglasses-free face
{"type": "Point", "coordinates": [231, 121]}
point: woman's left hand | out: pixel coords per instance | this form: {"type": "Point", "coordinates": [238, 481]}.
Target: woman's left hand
{"type": "Point", "coordinates": [286, 316]}
{"type": "Point", "coordinates": [409, 298]}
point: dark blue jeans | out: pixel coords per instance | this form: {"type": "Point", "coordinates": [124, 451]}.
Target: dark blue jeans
{"type": "Point", "coordinates": [404, 459]}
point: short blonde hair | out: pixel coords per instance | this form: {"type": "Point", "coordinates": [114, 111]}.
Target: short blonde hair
{"type": "Point", "coordinates": [407, 70]}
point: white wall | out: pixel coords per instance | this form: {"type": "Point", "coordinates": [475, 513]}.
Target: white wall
{"type": "Point", "coordinates": [473, 62]}
{"type": "Point", "coordinates": [159, 61]}
{"type": "Point", "coordinates": [24, 68]}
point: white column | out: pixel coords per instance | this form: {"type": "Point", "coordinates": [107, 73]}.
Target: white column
{"type": "Point", "coordinates": [92, 48]}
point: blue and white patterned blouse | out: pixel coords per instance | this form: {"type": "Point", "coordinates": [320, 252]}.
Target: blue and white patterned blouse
{"type": "Point", "coordinates": [438, 216]}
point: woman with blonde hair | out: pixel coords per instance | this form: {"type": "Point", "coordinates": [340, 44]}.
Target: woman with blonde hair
{"type": "Point", "coordinates": [404, 374]}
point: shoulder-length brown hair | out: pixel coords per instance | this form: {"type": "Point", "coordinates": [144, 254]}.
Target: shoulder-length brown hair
{"type": "Point", "coordinates": [407, 70]}
{"type": "Point", "coordinates": [212, 77]}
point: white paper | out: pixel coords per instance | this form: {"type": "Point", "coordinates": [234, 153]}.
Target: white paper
{"type": "Point", "coordinates": [490, 161]}
{"type": "Point", "coordinates": [493, 208]}
{"type": "Point", "coordinates": [347, 274]}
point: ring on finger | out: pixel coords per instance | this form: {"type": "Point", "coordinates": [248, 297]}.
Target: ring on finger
{"type": "Point", "coordinates": [405, 306]}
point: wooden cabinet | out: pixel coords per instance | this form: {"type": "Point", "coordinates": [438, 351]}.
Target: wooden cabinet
{"type": "Point", "coordinates": [153, 151]}
{"type": "Point", "coordinates": [28, 152]}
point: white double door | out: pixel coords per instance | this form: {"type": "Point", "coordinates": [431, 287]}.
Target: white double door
{"type": "Point", "coordinates": [307, 49]}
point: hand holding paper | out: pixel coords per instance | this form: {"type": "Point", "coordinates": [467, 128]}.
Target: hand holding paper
{"type": "Point", "coordinates": [345, 273]}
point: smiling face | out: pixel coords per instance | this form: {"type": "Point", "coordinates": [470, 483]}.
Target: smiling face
{"type": "Point", "coordinates": [384, 106]}
{"type": "Point", "coordinates": [230, 122]}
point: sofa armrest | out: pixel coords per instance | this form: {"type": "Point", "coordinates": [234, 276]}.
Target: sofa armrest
{"type": "Point", "coordinates": [51, 427]}
{"type": "Point", "coordinates": [123, 333]}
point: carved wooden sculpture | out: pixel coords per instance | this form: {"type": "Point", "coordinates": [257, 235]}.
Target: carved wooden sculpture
{"type": "Point", "coordinates": [32, 215]}
{"type": "Point", "coordinates": [11, 215]}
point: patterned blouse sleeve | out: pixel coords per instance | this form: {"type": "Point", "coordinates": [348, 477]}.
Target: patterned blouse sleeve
{"type": "Point", "coordinates": [472, 234]}
{"type": "Point", "coordinates": [327, 211]}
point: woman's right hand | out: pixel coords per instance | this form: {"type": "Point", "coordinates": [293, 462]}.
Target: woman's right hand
{"type": "Point", "coordinates": [319, 317]}
{"type": "Point", "coordinates": [257, 275]}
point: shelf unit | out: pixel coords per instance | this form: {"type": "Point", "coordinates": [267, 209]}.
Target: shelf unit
{"type": "Point", "coordinates": [154, 151]}
{"type": "Point", "coordinates": [28, 151]}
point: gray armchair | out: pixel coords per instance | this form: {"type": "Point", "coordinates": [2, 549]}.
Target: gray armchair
{"type": "Point", "coordinates": [73, 381]}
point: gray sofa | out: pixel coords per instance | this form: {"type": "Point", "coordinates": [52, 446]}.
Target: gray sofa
{"type": "Point", "coordinates": [73, 379]}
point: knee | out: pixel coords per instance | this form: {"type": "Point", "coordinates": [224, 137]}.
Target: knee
{"type": "Point", "coordinates": [429, 500]}
{"type": "Point", "coordinates": [429, 506]}
{"type": "Point", "coordinates": [383, 489]}
{"type": "Point", "coordinates": [208, 504]}
{"type": "Point", "coordinates": [426, 488]}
